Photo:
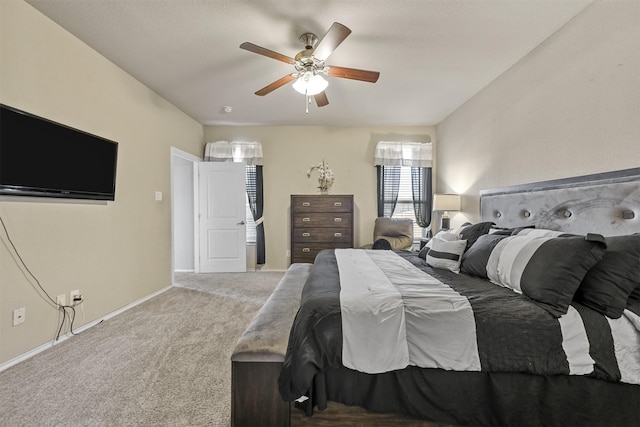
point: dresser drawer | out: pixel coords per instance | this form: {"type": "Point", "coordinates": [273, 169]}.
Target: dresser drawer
{"type": "Point", "coordinates": [320, 222]}
{"type": "Point", "coordinates": [302, 252]}
{"type": "Point", "coordinates": [319, 219]}
{"type": "Point", "coordinates": [326, 234]}
{"type": "Point", "coordinates": [301, 204]}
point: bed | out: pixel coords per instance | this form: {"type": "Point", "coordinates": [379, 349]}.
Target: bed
{"type": "Point", "coordinates": [529, 317]}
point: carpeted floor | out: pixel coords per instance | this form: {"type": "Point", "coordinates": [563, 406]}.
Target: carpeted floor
{"type": "Point", "coordinates": [165, 362]}
{"type": "Point", "coordinates": [250, 287]}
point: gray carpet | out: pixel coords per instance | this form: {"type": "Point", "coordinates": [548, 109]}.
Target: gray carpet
{"type": "Point", "coordinates": [162, 363]}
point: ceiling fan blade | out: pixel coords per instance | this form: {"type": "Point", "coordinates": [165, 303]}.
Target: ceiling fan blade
{"type": "Point", "coordinates": [275, 85]}
{"type": "Point", "coordinates": [331, 40]}
{"type": "Point", "coordinates": [321, 99]}
{"type": "Point", "coordinates": [266, 52]}
{"type": "Point", "coordinates": [353, 73]}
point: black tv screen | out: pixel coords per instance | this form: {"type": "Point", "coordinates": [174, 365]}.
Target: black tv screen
{"type": "Point", "coordinates": [41, 158]}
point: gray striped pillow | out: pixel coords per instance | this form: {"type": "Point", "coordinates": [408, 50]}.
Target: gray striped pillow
{"type": "Point", "coordinates": [446, 254]}
{"type": "Point", "coordinates": [548, 270]}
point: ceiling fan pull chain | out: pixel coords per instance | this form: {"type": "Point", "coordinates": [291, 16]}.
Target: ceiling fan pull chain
{"type": "Point", "coordinates": [308, 99]}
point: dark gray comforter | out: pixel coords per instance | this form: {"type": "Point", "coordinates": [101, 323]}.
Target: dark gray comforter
{"type": "Point", "coordinates": [513, 334]}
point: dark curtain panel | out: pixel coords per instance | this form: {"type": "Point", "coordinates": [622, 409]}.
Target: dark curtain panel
{"type": "Point", "coordinates": [422, 195]}
{"type": "Point", "coordinates": [260, 252]}
{"type": "Point", "coordinates": [255, 196]}
{"type": "Point", "coordinates": [388, 187]}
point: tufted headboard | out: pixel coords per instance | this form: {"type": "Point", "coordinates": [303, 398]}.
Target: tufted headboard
{"type": "Point", "coordinates": [604, 203]}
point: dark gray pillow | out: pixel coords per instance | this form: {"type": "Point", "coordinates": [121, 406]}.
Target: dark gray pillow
{"type": "Point", "coordinates": [471, 232]}
{"type": "Point", "coordinates": [423, 252]}
{"type": "Point", "coordinates": [475, 259]}
{"type": "Point", "coordinates": [508, 231]}
{"type": "Point", "coordinates": [634, 306]}
{"type": "Point", "coordinates": [608, 285]}
{"type": "Point", "coordinates": [381, 244]}
{"type": "Point", "coordinates": [554, 273]}
{"type": "Point", "coordinates": [635, 293]}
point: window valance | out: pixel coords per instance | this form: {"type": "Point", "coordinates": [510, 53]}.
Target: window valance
{"type": "Point", "coordinates": [395, 153]}
{"type": "Point", "coordinates": [234, 151]}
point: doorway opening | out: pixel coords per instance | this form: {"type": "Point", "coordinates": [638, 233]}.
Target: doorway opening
{"type": "Point", "coordinates": [183, 212]}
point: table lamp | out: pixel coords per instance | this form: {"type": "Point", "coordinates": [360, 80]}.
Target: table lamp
{"type": "Point", "coordinates": [445, 203]}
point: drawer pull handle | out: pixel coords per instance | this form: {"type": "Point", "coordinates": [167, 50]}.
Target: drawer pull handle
{"type": "Point", "coordinates": [337, 203]}
{"type": "Point", "coordinates": [337, 234]}
{"type": "Point", "coordinates": [306, 234]}
{"type": "Point", "coordinates": [306, 250]}
{"type": "Point", "coordinates": [337, 219]}
{"type": "Point", "coordinates": [306, 219]}
{"type": "Point", "coordinates": [306, 204]}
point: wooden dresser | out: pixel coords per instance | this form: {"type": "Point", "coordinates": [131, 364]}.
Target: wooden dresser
{"type": "Point", "coordinates": [320, 222]}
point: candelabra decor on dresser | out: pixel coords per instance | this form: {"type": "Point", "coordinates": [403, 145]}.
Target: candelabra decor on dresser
{"type": "Point", "coordinates": [325, 176]}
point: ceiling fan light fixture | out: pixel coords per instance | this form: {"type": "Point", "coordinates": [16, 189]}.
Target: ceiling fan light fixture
{"type": "Point", "coordinates": [310, 84]}
{"type": "Point", "coordinates": [310, 62]}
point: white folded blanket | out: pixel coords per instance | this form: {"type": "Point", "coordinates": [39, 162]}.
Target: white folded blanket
{"type": "Point", "coordinates": [418, 320]}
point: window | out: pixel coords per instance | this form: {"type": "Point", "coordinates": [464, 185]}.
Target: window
{"type": "Point", "coordinates": [251, 224]}
{"type": "Point", "coordinates": [404, 206]}
{"type": "Point", "coordinates": [404, 181]}
{"type": "Point", "coordinates": [250, 172]}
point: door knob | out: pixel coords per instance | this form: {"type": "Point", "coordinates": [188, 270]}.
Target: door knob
{"type": "Point", "coordinates": [241, 223]}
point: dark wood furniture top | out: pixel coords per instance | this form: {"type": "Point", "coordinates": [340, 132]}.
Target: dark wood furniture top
{"type": "Point", "coordinates": [320, 222]}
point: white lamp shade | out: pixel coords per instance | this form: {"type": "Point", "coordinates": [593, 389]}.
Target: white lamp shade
{"type": "Point", "coordinates": [310, 84]}
{"type": "Point", "coordinates": [446, 202]}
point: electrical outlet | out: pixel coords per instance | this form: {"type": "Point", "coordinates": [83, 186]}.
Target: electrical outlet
{"type": "Point", "coordinates": [75, 297]}
{"type": "Point", "coordinates": [287, 253]}
{"type": "Point", "coordinates": [19, 316]}
{"type": "Point", "coordinates": [61, 300]}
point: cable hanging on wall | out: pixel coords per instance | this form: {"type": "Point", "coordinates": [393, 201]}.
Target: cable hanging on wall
{"type": "Point", "coordinates": [68, 311]}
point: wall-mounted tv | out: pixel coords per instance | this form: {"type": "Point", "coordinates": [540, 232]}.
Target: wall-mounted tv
{"type": "Point", "coordinates": [42, 158]}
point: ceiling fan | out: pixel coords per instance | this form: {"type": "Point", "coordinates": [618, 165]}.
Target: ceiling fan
{"type": "Point", "coordinates": [310, 64]}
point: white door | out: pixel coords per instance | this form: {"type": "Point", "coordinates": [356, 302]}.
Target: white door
{"type": "Point", "coordinates": [222, 217]}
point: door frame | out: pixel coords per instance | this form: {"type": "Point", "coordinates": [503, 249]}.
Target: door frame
{"type": "Point", "coordinates": [193, 208]}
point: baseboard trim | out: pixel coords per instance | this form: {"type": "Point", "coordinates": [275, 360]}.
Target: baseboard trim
{"type": "Point", "coordinates": [48, 345]}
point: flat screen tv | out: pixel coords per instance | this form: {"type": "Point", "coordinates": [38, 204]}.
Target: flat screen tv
{"type": "Point", "coordinates": [42, 158]}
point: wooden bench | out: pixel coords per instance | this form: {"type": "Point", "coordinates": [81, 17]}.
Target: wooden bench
{"type": "Point", "coordinates": [258, 356]}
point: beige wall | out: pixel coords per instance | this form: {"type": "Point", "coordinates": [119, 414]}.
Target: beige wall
{"type": "Point", "coordinates": [289, 151]}
{"type": "Point", "coordinates": [115, 253]}
{"type": "Point", "coordinates": [571, 107]}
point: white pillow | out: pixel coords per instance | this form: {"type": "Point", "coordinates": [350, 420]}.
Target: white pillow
{"type": "Point", "coordinates": [443, 235]}
{"type": "Point", "coordinates": [458, 230]}
{"type": "Point", "coordinates": [446, 254]}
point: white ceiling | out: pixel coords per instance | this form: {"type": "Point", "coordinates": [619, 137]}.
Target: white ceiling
{"type": "Point", "coordinates": [432, 55]}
